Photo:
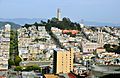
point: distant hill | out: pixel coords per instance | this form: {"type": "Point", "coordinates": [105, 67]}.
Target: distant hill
{"type": "Point", "coordinates": [92, 23]}
{"type": "Point", "coordinates": [14, 26]}
{"type": "Point", "coordinates": [22, 21]}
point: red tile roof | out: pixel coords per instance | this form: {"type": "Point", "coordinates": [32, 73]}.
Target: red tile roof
{"type": "Point", "coordinates": [71, 75]}
{"type": "Point", "coordinates": [2, 77]}
{"type": "Point", "coordinates": [72, 31]}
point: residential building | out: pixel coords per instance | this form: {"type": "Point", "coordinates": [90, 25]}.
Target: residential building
{"type": "Point", "coordinates": [100, 49]}
{"type": "Point", "coordinates": [63, 61]}
{"type": "Point", "coordinates": [89, 47]}
{"type": "Point", "coordinates": [32, 42]}
{"type": "Point", "coordinates": [4, 47]}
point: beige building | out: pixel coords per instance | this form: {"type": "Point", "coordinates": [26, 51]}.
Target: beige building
{"type": "Point", "coordinates": [63, 61]}
{"type": "Point", "coordinates": [100, 49]}
{"type": "Point", "coordinates": [4, 47]}
{"type": "Point", "coordinates": [89, 47]}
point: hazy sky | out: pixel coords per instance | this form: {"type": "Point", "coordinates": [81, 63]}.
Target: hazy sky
{"type": "Point", "coordinates": [91, 10]}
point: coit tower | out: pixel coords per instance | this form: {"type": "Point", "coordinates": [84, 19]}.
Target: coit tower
{"type": "Point", "coordinates": [58, 14]}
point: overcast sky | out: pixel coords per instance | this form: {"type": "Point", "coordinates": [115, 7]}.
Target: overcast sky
{"type": "Point", "coordinates": [91, 10]}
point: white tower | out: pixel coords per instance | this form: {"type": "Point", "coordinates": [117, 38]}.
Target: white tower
{"type": "Point", "coordinates": [58, 14]}
{"type": "Point", "coordinates": [82, 23]}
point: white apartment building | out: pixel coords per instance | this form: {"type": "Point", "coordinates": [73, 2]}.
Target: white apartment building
{"type": "Point", "coordinates": [89, 47]}
{"type": "Point", "coordinates": [4, 47]}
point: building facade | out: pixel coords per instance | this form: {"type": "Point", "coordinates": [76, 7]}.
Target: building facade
{"type": "Point", "coordinates": [59, 14]}
{"type": "Point", "coordinates": [4, 47]}
{"type": "Point", "coordinates": [33, 42]}
{"type": "Point", "coordinates": [89, 47]}
{"type": "Point", "coordinates": [63, 61]}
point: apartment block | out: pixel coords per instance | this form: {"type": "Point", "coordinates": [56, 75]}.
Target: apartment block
{"type": "Point", "coordinates": [4, 47]}
{"type": "Point", "coordinates": [63, 61]}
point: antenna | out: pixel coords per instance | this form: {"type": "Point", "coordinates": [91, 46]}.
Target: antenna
{"type": "Point", "coordinates": [82, 21]}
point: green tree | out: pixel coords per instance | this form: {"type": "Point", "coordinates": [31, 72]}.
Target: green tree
{"type": "Point", "coordinates": [107, 47]}
{"type": "Point", "coordinates": [54, 19]}
{"type": "Point", "coordinates": [17, 60]}
{"type": "Point", "coordinates": [95, 53]}
{"type": "Point", "coordinates": [36, 24]}
{"type": "Point", "coordinates": [36, 67]}
{"type": "Point", "coordinates": [27, 25]}
{"type": "Point", "coordinates": [18, 68]}
{"type": "Point", "coordinates": [28, 68]}
{"type": "Point", "coordinates": [13, 43]}
{"type": "Point", "coordinates": [10, 63]}
{"type": "Point", "coordinates": [114, 45]}
{"type": "Point", "coordinates": [66, 20]}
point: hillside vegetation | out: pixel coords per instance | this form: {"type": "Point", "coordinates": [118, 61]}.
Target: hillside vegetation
{"type": "Point", "coordinates": [14, 26]}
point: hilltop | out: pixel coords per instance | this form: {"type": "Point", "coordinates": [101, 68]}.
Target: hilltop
{"type": "Point", "coordinates": [14, 26]}
{"type": "Point", "coordinates": [22, 21]}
